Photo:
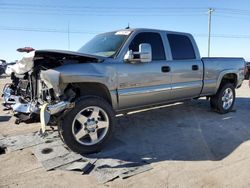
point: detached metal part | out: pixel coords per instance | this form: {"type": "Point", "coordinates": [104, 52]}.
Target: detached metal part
{"type": "Point", "coordinates": [51, 79]}
{"type": "Point", "coordinates": [8, 98]}
{"type": "Point", "coordinates": [21, 108]}
{"type": "Point", "coordinates": [25, 64]}
{"type": "Point", "coordinates": [44, 117]}
{"type": "Point", "coordinates": [59, 107]}
{"type": "Point", "coordinates": [47, 110]}
{"type": "Point", "coordinates": [26, 108]}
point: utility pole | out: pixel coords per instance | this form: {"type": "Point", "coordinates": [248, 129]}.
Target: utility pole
{"type": "Point", "coordinates": [210, 10]}
{"type": "Point", "coordinates": [68, 37]}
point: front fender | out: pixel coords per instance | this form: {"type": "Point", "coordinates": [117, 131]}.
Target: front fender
{"type": "Point", "coordinates": [91, 72]}
{"type": "Point", "coordinates": [58, 78]}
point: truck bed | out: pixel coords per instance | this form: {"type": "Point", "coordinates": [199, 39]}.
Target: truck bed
{"type": "Point", "coordinates": [216, 67]}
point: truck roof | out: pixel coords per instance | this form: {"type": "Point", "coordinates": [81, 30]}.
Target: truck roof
{"type": "Point", "coordinates": [152, 30]}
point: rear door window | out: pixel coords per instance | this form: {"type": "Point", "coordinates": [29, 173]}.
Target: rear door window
{"type": "Point", "coordinates": [181, 47]}
{"type": "Point", "coordinates": [154, 39]}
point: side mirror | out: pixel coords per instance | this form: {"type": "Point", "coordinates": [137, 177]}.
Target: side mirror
{"type": "Point", "coordinates": [144, 55]}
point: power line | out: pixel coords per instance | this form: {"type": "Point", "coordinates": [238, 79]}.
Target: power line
{"type": "Point", "coordinates": [47, 30]}
{"type": "Point", "coordinates": [122, 14]}
{"type": "Point", "coordinates": [232, 17]}
{"type": "Point", "coordinates": [100, 11]}
{"type": "Point", "coordinates": [116, 8]}
{"type": "Point", "coordinates": [106, 14]}
{"type": "Point", "coordinates": [50, 30]}
{"type": "Point", "coordinates": [105, 9]}
{"type": "Point", "coordinates": [223, 36]}
{"type": "Point", "coordinates": [96, 7]}
{"type": "Point", "coordinates": [236, 11]}
{"type": "Point", "coordinates": [96, 12]}
{"type": "Point", "coordinates": [131, 11]}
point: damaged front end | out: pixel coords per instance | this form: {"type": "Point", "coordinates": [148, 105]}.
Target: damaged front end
{"type": "Point", "coordinates": [55, 97]}
{"type": "Point", "coordinates": [17, 97]}
{"type": "Point", "coordinates": [17, 94]}
{"type": "Point", "coordinates": [36, 93]}
{"type": "Point", "coordinates": [19, 86]}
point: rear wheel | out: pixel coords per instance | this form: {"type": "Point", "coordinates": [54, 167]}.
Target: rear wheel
{"type": "Point", "coordinates": [224, 99]}
{"type": "Point", "coordinates": [87, 128]}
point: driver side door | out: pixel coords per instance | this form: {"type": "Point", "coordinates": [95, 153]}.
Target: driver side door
{"type": "Point", "coordinates": [144, 84]}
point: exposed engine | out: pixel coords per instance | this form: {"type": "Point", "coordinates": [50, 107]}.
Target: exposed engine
{"type": "Point", "coordinates": [28, 91]}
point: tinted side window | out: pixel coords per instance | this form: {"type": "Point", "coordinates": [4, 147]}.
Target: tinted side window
{"type": "Point", "coordinates": [154, 39]}
{"type": "Point", "coordinates": [181, 47]}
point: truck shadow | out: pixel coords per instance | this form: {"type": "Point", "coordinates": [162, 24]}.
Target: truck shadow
{"type": "Point", "coordinates": [189, 131]}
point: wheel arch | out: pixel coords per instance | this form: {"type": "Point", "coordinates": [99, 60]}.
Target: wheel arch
{"type": "Point", "coordinates": [95, 89]}
{"type": "Point", "coordinates": [227, 77]}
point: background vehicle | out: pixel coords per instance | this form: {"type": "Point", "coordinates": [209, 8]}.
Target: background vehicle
{"type": "Point", "coordinates": [247, 70]}
{"type": "Point", "coordinates": [2, 66]}
{"type": "Point", "coordinates": [119, 71]}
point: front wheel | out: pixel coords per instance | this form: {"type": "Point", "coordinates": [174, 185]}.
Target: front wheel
{"type": "Point", "coordinates": [224, 99]}
{"type": "Point", "coordinates": [87, 127]}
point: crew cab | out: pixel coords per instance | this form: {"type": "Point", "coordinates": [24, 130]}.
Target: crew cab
{"type": "Point", "coordinates": [119, 71]}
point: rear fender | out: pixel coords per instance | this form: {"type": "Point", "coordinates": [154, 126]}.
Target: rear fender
{"type": "Point", "coordinates": [223, 74]}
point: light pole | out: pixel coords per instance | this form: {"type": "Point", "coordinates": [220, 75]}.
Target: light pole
{"type": "Point", "coordinates": [210, 10]}
{"type": "Point", "coordinates": [68, 37]}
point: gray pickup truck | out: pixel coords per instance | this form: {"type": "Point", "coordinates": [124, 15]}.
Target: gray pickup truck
{"type": "Point", "coordinates": [116, 72]}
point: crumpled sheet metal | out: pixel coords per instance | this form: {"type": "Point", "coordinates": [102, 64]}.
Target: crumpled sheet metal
{"type": "Point", "coordinates": [82, 166]}
{"type": "Point", "coordinates": [50, 151]}
{"type": "Point", "coordinates": [46, 151]}
{"type": "Point", "coordinates": [108, 169]}
{"type": "Point", "coordinates": [19, 142]}
{"type": "Point", "coordinates": [53, 154]}
{"type": "Point", "coordinates": [14, 143]}
{"type": "Point", "coordinates": [60, 160]}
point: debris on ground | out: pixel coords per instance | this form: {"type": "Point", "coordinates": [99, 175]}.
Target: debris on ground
{"type": "Point", "coordinates": [60, 160]}
{"type": "Point", "coordinates": [108, 169]}
{"type": "Point", "coordinates": [83, 166]}
{"type": "Point", "coordinates": [51, 152]}
{"type": "Point", "coordinates": [19, 142]}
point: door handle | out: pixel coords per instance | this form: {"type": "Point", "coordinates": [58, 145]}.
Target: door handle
{"type": "Point", "coordinates": [195, 67]}
{"type": "Point", "coordinates": [165, 69]}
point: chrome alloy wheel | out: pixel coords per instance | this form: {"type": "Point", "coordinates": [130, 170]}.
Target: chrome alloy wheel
{"type": "Point", "coordinates": [227, 98]}
{"type": "Point", "coordinates": [90, 125]}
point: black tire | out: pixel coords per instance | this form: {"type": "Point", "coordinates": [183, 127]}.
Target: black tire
{"type": "Point", "coordinates": [67, 124]}
{"type": "Point", "coordinates": [216, 102]}
{"type": "Point", "coordinates": [213, 103]}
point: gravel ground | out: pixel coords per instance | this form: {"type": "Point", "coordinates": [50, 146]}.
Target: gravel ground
{"type": "Point", "coordinates": [188, 146]}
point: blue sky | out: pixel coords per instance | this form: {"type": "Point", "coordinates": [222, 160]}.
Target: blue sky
{"type": "Point", "coordinates": [43, 24]}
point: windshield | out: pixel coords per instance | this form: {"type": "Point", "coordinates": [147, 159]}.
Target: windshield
{"type": "Point", "coordinates": [106, 44]}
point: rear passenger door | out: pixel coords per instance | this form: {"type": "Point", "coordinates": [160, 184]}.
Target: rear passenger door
{"type": "Point", "coordinates": [186, 68]}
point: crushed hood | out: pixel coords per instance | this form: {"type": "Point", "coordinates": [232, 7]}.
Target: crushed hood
{"type": "Point", "coordinates": [22, 66]}
{"type": "Point", "coordinates": [29, 60]}
{"type": "Point", "coordinates": [63, 54]}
